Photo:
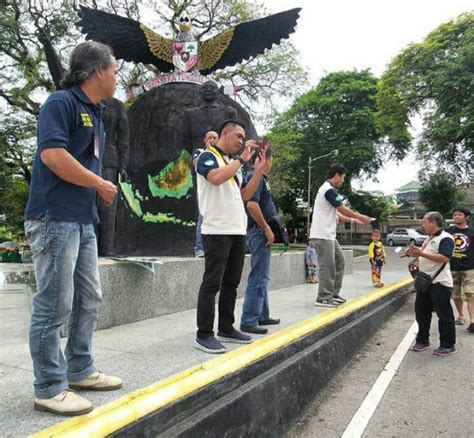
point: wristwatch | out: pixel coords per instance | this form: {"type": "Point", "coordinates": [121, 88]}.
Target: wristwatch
{"type": "Point", "coordinates": [241, 160]}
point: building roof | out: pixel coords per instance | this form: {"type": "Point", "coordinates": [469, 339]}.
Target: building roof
{"type": "Point", "coordinates": [412, 186]}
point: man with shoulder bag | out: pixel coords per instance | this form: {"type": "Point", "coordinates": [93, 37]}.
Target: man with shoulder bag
{"type": "Point", "coordinates": [433, 285]}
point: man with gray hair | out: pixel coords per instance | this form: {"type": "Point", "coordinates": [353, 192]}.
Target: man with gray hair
{"type": "Point", "coordinates": [59, 223]}
{"type": "Point", "coordinates": [433, 259]}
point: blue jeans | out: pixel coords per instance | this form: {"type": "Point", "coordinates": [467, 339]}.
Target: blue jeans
{"type": "Point", "coordinates": [68, 290]}
{"type": "Point", "coordinates": [198, 245]}
{"type": "Point", "coordinates": [256, 307]}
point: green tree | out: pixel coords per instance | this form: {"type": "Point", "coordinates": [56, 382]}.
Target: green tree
{"type": "Point", "coordinates": [379, 207]}
{"type": "Point", "coordinates": [16, 152]}
{"type": "Point", "coordinates": [13, 199]}
{"type": "Point", "coordinates": [339, 113]}
{"type": "Point", "coordinates": [441, 193]}
{"type": "Point", "coordinates": [37, 36]}
{"type": "Point", "coordinates": [435, 80]}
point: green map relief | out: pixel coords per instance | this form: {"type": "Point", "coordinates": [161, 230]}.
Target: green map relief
{"type": "Point", "coordinates": [175, 180]}
{"type": "Point", "coordinates": [133, 199]}
{"type": "Point", "coordinates": [166, 218]}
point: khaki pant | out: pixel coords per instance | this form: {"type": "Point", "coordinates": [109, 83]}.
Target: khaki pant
{"type": "Point", "coordinates": [463, 283]}
{"type": "Point", "coordinates": [331, 268]}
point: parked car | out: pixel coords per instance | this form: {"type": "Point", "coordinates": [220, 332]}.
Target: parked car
{"type": "Point", "coordinates": [405, 236]}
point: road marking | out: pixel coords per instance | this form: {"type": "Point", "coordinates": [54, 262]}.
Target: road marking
{"type": "Point", "coordinates": [361, 418]}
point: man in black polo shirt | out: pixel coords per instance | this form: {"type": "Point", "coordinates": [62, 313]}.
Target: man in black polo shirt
{"type": "Point", "coordinates": [59, 223]}
{"type": "Point", "coordinates": [462, 265]}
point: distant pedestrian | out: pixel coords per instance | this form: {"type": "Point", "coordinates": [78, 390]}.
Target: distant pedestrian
{"type": "Point", "coordinates": [311, 262]}
{"type": "Point", "coordinates": [462, 265]}
{"type": "Point", "coordinates": [433, 258]}
{"type": "Point", "coordinates": [328, 210]}
{"type": "Point", "coordinates": [377, 257]}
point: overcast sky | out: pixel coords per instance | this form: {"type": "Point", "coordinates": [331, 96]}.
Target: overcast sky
{"type": "Point", "coordinates": [346, 34]}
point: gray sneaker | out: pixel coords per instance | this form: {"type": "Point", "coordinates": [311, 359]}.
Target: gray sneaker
{"type": "Point", "coordinates": [209, 345]}
{"type": "Point", "coordinates": [325, 303]}
{"type": "Point", "coordinates": [234, 337]}
{"type": "Point", "coordinates": [443, 351]}
{"type": "Point", "coordinates": [420, 346]}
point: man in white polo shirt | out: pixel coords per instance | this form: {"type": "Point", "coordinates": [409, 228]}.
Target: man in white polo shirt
{"type": "Point", "coordinates": [220, 196]}
{"type": "Point", "coordinates": [328, 210]}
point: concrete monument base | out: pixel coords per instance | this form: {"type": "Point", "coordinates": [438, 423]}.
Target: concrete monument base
{"type": "Point", "coordinates": [132, 293]}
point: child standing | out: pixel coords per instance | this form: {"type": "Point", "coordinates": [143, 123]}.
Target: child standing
{"type": "Point", "coordinates": [311, 262]}
{"type": "Point", "coordinates": [377, 258]}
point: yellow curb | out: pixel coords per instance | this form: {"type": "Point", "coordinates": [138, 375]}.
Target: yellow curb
{"type": "Point", "coordinates": [130, 408]}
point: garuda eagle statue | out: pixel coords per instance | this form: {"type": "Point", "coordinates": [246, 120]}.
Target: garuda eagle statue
{"type": "Point", "coordinates": [133, 41]}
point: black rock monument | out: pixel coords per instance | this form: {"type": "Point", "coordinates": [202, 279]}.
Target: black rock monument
{"type": "Point", "coordinates": [157, 211]}
{"type": "Point", "coordinates": [208, 116]}
{"type": "Point", "coordinates": [114, 163]}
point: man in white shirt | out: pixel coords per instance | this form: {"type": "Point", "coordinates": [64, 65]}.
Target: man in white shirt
{"type": "Point", "coordinates": [221, 191]}
{"type": "Point", "coordinates": [433, 259]}
{"type": "Point", "coordinates": [328, 210]}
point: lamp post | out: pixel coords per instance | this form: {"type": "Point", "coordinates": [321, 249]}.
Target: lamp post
{"type": "Point", "coordinates": [310, 166]}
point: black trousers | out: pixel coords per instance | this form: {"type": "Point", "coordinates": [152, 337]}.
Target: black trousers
{"type": "Point", "coordinates": [224, 261]}
{"type": "Point", "coordinates": [438, 298]}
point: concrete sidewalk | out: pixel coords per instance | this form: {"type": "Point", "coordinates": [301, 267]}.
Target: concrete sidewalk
{"type": "Point", "coordinates": [141, 353]}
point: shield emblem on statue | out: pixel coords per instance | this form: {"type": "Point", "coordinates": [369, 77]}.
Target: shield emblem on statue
{"type": "Point", "coordinates": [185, 54]}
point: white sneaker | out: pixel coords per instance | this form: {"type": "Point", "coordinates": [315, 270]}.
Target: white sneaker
{"type": "Point", "coordinates": [66, 403]}
{"type": "Point", "coordinates": [97, 381]}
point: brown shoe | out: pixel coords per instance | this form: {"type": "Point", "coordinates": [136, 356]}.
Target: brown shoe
{"type": "Point", "coordinates": [97, 381]}
{"type": "Point", "coordinates": [66, 403]}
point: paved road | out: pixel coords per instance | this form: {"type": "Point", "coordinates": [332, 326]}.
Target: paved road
{"type": "Point", "coordinates": [429, 396]}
